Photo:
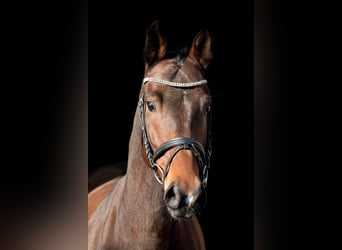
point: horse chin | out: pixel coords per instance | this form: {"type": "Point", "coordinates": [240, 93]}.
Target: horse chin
{"type": "Point", "coordinates": [181, 213]}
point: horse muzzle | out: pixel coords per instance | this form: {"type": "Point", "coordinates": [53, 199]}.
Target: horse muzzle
{"type": "Point", "coordinates": [181, 205]}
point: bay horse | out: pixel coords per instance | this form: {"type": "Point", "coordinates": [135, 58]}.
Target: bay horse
{"type": "Point", "coordinates": [155, 203]}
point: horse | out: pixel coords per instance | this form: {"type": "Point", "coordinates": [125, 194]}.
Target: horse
{"type": "Point", "coordinates": [155, 204]}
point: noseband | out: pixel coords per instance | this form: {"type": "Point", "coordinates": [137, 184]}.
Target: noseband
{"type": "Point", "coordinates": [180, 143]}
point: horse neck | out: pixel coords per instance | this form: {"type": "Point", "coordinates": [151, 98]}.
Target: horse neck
{"type": "Point", "coordinates": [139, 173]}
{"type": "Point", "coordinates": [143, 199]}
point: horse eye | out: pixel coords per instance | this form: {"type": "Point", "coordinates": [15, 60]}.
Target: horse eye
{"type": "Point", "coordinates": [150, 105]}
{"type": "Point", "coordinates": [207, 108]}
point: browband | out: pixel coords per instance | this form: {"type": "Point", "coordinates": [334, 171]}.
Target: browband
{"type": "Point", "coordinates": [175, 84]}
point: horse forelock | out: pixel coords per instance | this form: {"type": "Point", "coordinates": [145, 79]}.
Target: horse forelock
{"type": "Point", "coordinates": [177, 69]}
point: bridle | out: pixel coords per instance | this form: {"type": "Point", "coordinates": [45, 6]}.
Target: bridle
{"type": "Point", "coordinates": [202, 154]}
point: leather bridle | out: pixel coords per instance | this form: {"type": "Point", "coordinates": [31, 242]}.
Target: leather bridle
{"type": "Point", "coordinates": [202, 154]}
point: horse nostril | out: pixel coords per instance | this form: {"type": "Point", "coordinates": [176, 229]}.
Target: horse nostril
{"type": "Point", "coordinates": [201, 198]}
{"type": "Point", "coordinates": [173, 196]}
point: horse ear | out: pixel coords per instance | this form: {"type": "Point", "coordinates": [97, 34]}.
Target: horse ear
{"type": "Point", "coordinates": [155, 44]}
{"type": "Point", "coordinates": [201, 48]}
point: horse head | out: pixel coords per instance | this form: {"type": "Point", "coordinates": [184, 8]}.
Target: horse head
{"type": "Point", "coordinates": [175, 105]}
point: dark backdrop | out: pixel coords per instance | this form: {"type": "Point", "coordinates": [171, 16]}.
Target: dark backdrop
{"type": "Point", "coordinates": [116, 40]}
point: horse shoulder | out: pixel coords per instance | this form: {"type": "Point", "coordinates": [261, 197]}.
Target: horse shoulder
{"type": "Point", "coordinates": [96, 196]}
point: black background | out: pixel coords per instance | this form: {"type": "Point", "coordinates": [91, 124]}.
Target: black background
{"type": "Point", "coordinates": [116, 40]}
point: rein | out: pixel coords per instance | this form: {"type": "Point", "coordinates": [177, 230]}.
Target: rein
{"type": "Point", "coordinates": [202, 154]}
